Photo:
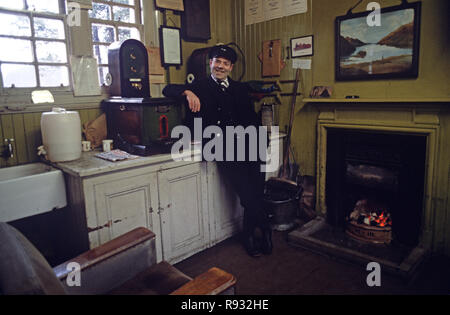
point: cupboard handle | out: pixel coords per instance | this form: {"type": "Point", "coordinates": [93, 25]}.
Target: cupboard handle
{"type": "Point", "coordinates": [160, 210]}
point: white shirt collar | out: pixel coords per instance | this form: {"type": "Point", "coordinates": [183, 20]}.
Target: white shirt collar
{"type": "Point", "coordinates": [226, 83]}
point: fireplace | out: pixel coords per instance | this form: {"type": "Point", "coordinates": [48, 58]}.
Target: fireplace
{"type": "Point", "coordinates": [375, 185]}
{"type": "Point", "coordinates": [376, 162]}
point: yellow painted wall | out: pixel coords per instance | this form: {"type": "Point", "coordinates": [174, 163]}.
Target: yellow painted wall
{"type": "Point", "coordinates": [433, 80]}
{"type": "Point", "coordinates": [221, 16]}
{"type": "Point", "coordinates": [434, 77]}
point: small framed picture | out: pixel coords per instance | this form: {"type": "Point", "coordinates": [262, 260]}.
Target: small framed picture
{"type": "Point", "coordinates": [302, 46]}
{"type": "Point", "coordinates": [170, 40]}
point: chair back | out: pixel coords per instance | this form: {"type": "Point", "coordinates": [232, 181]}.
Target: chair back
{"type": "Point", "coordinates": [23, 269]}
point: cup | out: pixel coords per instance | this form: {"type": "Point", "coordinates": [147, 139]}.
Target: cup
{"type": "Point", "coordinates": [107, 144]}
{"type": "Point", "coordinates": [86, 146]}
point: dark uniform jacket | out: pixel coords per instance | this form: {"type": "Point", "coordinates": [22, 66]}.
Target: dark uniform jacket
{"type": "Point", "coordinates": [232, 107]}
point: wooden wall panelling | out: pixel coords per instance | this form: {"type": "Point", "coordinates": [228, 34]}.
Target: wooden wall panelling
{"type": "Point", "coordinates": [8, 133]}
{"type": "Point", "coordinates": [84, 116]}
{"type": "Point", "coordinates": [20, 138]}
{"type": "Point", "coordinates": [447, 220]}
{"type": "Point", "coordinates": [2, 145]}
{"type": "Point", "coordinates": [25, 129]}
{"type": "Point", "coordinates": [32, 124]}
{"type": "Point", "coordinates": [250, 39]}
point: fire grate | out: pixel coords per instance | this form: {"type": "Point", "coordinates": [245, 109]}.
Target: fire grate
{"type": "Point", "coordinates": [370, 234]}
{"type": "Point", "coordinates": [367, 225]}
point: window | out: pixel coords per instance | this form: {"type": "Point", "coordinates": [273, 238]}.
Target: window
{"type": "Point", "coordinates": [113, 20]}
{"type": "Point", "coordinates": [34, 50]}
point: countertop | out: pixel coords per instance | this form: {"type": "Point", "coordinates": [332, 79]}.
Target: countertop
{"type": "Point", "coordinates": [90, 165]}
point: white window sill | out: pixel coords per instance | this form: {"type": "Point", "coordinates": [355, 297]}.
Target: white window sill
{"type": "Point", "coordinates": [21, 102]}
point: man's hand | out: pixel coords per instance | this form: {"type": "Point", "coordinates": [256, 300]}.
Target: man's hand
{"type": "Point", "coordinates": [193, 101]}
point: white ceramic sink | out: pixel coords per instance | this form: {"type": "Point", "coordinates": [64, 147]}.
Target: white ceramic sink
{"type": "Point", "coordinates": [30, 189]}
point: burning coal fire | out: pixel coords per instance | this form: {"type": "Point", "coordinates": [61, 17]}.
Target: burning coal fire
{"type": "Point", "coordinates": [378, 218]}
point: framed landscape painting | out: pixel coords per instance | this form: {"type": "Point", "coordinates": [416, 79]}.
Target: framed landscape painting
{"type": "Point", "coordinates": [387, 50]}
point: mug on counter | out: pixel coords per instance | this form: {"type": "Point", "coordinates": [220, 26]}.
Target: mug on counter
{"type": "Point", "coordinates": [86, 146]}
{"type": "Point", "coordinates": [107, 145]}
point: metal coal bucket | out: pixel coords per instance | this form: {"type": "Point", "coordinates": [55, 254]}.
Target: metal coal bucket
{"type": "Point", "coordinates": [281, 200]}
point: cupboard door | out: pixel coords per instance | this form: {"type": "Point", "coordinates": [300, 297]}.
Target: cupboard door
{"type": "Point", "coordinates": [120, 202]}
{"type": "Point", "coordinates": [226, 212]}
{"type": "Point", "coordinates": [183, 211]}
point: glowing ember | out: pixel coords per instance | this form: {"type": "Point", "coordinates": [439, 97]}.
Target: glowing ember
{"type": "Point", "coordinates": [362, 215]}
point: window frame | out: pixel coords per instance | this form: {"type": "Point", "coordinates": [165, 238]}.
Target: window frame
{"type": "Point", "coordinates": [138, 24]}
{"type": "Point", "coordinates": [61, 16]}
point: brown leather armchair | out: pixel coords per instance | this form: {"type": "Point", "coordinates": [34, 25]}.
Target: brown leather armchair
{"type": "Point", "coordinates": [125, 265]}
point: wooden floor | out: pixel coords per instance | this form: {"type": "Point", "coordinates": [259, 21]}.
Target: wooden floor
{"type": "Point", "coordinates": [292, 271]}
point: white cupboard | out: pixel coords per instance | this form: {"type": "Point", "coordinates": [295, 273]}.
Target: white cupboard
{"type": "Point", "coordinates": [189, 205]}
{"type": "Point", "coordinates": [173, 199]}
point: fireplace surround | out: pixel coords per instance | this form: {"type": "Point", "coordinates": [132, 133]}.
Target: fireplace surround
{"type": "Point", "coordinates": [383, 173]}
{"type": "Point", "coordinates": [392, 120]}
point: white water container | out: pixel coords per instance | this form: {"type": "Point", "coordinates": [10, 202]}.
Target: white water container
{"type": "Point", "coordinates": [61, 134]}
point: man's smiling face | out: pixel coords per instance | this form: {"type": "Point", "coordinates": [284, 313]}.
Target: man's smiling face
{"type": "Point", "coordinates": [220, 67]}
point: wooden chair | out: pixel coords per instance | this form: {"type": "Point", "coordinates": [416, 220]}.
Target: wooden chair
{"type": "Point", "coordinates": [125, 265]}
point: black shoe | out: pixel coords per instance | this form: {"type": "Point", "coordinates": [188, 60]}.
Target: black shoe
{"type": "Point", "coordinates": [251, 247]}
{"type": "Point", "coordinates": [267, 245]}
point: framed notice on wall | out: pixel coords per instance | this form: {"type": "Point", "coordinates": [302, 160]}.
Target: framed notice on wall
{"type": "Point", "coordinates": [176, 5]}
{"type": "Point", "coordinates": [170, 41]}
{"type": "Point", "coordinates": [195, 20]}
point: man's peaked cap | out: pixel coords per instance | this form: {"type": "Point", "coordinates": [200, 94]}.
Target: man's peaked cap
{"type": "Point", "coordinates": [224, 52]}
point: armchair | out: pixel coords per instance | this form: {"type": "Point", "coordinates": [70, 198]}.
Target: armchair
{"type": "Point", "coordinates": [125, 265]}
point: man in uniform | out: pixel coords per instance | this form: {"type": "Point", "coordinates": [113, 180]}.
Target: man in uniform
{"type": "Point", "coordinates": [221, 101]}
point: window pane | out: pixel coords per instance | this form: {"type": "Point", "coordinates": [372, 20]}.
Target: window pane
{"type": "Point", "coordinates": [14, 24]}
{"type": "Point", "coordinates": [51, 52]}
{"type": "Point", "coordinates": [130, 2]}
{"type": "Point", "coordinates": [102, 72]}
{"type": "Point", "coordinates": [124, 14]}
{"type": "Point", "coordinates": [52, 76]}
{"type": "Point", "coordinates": [128, 32]}
{"type": "Point", "coordinates": [101, 53]}
{"type": "Point", "coordinates": [49, 28]}
{"type": "Point", "coordinates": [103, 33]}
{"type": "Point", "coordinates": [18, 50]}
{"type": "Point", "coordinates": [100, 11]}
{"type": "Point", "coordinates": [18, 75]}
{"type": "Point", "coordinates": [18, 5]}
{"type": "Point", "coordinates": [43, 6]}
